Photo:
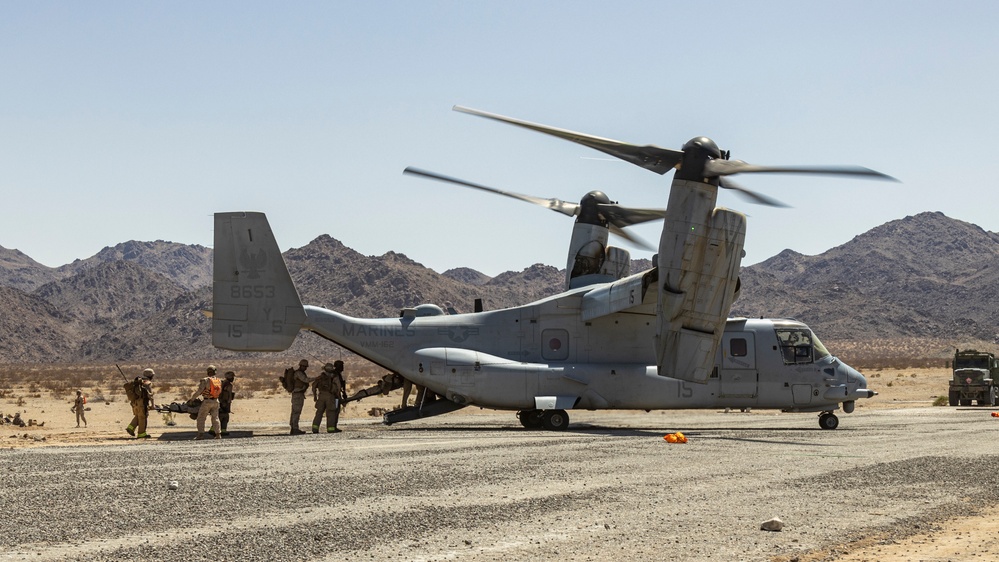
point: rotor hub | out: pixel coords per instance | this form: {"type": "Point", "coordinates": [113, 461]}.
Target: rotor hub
{"type": "Point", "coordinates": [589, 208]}
{"type": "Point", "coordinates": [696, 152]}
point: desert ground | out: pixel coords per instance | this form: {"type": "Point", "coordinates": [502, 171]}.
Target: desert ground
{"type": "Point", "coordinates": [930, 525]}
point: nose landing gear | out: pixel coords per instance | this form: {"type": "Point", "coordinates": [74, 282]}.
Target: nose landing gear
{"type": "Point", "coordinates": [828, 420]}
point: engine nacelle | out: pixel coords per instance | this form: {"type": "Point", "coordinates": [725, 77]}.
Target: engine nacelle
{"type": "Point", "coordinates": [698, 280]}
{"type": "Point", "coordinates": [617, 263]}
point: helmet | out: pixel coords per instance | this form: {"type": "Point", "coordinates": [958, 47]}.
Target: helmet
{"type": "Point", "coordinates": [303, 363]}
{"type": "Point", "coordinates": [230, 375]}
{"type": "Point", "coordinates": [338, 365]}
{"type": "Point", "coordinates": [148, 373]}
{"type": "Point", "coordinates": [212, 368]}
{"type": "Point", "coordinates": [329, 368]}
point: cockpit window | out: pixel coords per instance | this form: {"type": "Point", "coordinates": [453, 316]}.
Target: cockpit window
{"type": "Point", "coordinates": [976, 362]}
{"type": "Point", "coordinates": [799, 346]}
{"type": "Point", "coordinates": [820, 350]}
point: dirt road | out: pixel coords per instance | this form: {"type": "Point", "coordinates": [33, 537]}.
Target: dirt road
{"type": "Point", "coordinates": [903, 483]}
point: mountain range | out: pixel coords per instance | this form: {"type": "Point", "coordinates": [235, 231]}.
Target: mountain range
{"type": "Point", "coordinates": [914, 287]}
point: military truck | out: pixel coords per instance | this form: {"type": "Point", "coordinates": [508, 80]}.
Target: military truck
{"type": "Point", "coordinates": [975, 376]}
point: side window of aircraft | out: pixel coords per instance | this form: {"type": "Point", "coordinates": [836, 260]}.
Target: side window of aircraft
{"type": "Point", "coordinates": [738, 347]}
{"type": "Point", "coordinates": [795, 346]}
{"type": "Point", "coordinates": [555, 345]}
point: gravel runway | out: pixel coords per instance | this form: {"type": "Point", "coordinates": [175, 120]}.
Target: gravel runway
{"type": "Point", "coordinates": [480, 487]}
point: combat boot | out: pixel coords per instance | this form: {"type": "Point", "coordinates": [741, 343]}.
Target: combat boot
{"type": "Point", "coordinates": [131, 430]}
{"type": "Point", "coordinates": [315, 429]}
{"type": "Point", "coordinates": [142, 436]}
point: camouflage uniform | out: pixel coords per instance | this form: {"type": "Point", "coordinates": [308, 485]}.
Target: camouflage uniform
{"type": "Point", "coordinates": [225, 401]}
{"type": "Point", "coordinates": [78, 408]}
{"type": "Point", "coordinates": [300, 383]}
{"type": "Point", "coordinates": [209, 405]}
{"type": "Point", "coordinates": [328, 391]}
{"type": "Point", "coordinates": [140, 406]}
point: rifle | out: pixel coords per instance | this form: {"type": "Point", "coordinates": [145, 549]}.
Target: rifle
{"type": "Point", "coordinates": [145, 399]}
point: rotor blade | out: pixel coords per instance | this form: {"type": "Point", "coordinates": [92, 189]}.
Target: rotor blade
{"type": "Point", "coordinates": [718, 167]}
{"type": "Point", "coordinates": [654, 158]}
{"type": "Point", "coordinates": [627, 216]}
{"type": "Point", "coordinates": [757, 198]}
{"type": "Point", "coordinates": [631, 238]}
{"type": "Point", "coordinates": [566, 208]}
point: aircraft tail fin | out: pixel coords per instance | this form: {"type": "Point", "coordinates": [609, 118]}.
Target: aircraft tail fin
{"type": "Point", "coordinates": [255, 306]}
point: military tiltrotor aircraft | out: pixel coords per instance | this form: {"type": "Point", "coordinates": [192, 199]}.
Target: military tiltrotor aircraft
{"type": "Point", "coordinates": [658, 339]}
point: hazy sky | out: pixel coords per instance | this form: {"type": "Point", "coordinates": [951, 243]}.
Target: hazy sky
{"type": "Point", "coordinates": [137, 120]}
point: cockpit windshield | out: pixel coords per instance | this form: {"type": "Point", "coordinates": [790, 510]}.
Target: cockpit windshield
{"type": "Point", "coordinates": [971, 362]}
{"type": "Point", "coordinates": [800, 345]}
{"type": "Point", "coordinates": [820, 350]}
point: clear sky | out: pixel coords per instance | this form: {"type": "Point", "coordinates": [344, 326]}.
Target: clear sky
{"type": "Point", "coordinates": [138, 120]}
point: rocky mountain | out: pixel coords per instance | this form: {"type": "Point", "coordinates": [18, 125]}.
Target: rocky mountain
{"type": "Point", "coordinates": [32, 329]}
{"type": "Point", "coordinates": [110, 295]}
{"type": "Point", "coordinates": [189, 266]}
{"type": "Point", "coordinates": [186, 265]}
{"type": "Point", "coordinates": [918, 285]}
{"type": "Point", "coordinates": [925, 277]}
{"type": "Point", "coordinates": [467, 275]}
{"type": "Point", "coordinates": [21, 272]}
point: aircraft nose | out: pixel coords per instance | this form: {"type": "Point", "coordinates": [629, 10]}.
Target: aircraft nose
{"type": "Point", "coordinates": [858, 380]}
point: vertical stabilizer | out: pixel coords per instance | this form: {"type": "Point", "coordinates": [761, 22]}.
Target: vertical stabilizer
{"type": "Point", "coordinates": [255, 306]}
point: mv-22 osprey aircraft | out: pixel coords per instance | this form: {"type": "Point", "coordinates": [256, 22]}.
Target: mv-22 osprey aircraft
{"type": "Point", "coordinates": [654, 340]}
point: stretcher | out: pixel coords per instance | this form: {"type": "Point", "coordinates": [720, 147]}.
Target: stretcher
{"type": "Point", "coordinates": [190, 407]}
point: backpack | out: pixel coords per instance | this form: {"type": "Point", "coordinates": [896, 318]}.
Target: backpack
{"type": "Point", "coordinates": [288, 379]}
{"type": "Point", "coordinates": [132, 390]}
{"type": "Point", "coordinates": [325, 382]}
{"type": "Point", "coordinates": [214, 387]}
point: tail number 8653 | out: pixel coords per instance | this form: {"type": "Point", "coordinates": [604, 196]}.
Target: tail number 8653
{"type": "Point", "coordinates": [252, 292]}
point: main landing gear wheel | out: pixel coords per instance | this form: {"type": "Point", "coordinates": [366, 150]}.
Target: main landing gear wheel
{"type": "Point", "coordinates": [552, 420]}
{"type": "Point", "coordinates": [828, 420]}
{"type": "Point", "coordinates": [555, 420]}
{"type": "Point", "coordinates": [531, 419]}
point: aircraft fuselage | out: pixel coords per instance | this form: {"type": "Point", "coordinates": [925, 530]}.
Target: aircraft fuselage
{"type": "Point", "coordinates": [544, 355]}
